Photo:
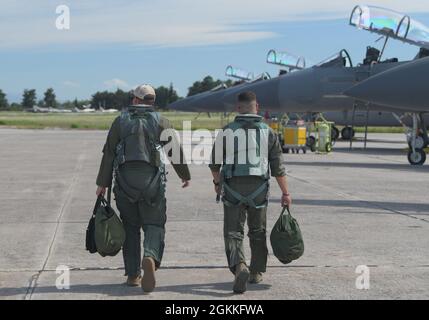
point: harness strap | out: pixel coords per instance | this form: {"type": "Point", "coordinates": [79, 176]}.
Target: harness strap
{"type": "Point", "coordinates": [246, 200]}
{"type": "Point", "coordinates": [135, 195]}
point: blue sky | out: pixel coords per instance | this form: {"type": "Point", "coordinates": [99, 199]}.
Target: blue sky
{"type": "Point", "coordinates": [124, 43]}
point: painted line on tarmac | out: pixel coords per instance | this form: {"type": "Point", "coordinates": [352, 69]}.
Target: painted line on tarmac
{"type": "Point", "coordinates": [352, 197]}
{"type": "Point", "coordinates": [83, 269]}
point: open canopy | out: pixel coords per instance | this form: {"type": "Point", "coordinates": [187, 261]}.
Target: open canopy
{"type": "Point", "coordinates": [285, 59]}
{"type": "Point", "coordinates": [262, 76]}
{"type": "Point", "coordinates": [222, 86]}
{"type": "Point", "coordinates": [239, 74]}
{"type": "Point", "coordinates": [390, 23]}
{"type": "Point", "coordinates": [340, 59]}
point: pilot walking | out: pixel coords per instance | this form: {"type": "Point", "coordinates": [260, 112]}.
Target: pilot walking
{"type": "Point", "coordinates": [133, 152]}
{"type": "Point", "coordinates": [241, 174]}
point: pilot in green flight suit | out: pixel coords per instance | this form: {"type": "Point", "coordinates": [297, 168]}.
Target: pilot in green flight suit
{"type": "Point", "coordinates": [241, 175]}
{"type": "Point", "coordinates": [132, 152]}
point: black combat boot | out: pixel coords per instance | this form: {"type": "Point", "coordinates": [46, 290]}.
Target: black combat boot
{"type": "Point", "coordinates": [148, 281]}
{"type": "Point", "coordinates": [241, 278]}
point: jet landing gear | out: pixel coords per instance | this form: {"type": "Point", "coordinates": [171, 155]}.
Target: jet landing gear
{"type": "Point", "coordinates": [418, 140]}
{"type": "Point", "coordinates": [348, 133]}
{"type": "Point", "coordinates": [421, 142]}
{"type": "Point", "coordinates": [335, 133]}
{"type": "Point", "coordinates": [417, 157]}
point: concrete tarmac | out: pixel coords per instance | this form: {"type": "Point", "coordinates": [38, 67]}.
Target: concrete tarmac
{"type": "Point", "coordinates": [362, 207]}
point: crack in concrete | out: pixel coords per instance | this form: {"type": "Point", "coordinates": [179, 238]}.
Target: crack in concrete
{"type": "Point", "coordinates": [68, 196]}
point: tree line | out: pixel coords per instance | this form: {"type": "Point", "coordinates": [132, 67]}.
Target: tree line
{"type": "Point", "coordinates": [106, 99]}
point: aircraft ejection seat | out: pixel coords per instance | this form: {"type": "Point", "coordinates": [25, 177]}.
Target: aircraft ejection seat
{"type": "Point", "coordinates": [423, 53]}
{"type": "Point", "coordinates": [372, 55]}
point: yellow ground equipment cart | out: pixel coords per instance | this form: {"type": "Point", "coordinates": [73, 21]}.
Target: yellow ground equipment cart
{"type": "Point", "coordinates": [274, 124]}
{"type": "Point", "coordinates": [321, 142]}
{"type": "Point", "coordinates": [294, 137]}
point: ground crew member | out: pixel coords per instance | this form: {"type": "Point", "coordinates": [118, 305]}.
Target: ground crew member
{"type": "Point", "coordinates": [244, 188]}
{"type": "Point", "coordinates": [132, 152]}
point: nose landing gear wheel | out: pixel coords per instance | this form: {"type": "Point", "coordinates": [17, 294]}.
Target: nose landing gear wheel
{"type": "Point", "coordinates": [417, 158]}
{"type": "Point", "coordinates": [421, 143]}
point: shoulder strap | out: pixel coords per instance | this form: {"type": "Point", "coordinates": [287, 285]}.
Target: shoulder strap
{"type": "Point", "coordinates": [155, 117]}
{"type": "Point", "coordinates": [125, 116]}
{"type": "Point", "coordinates": [109, 195]}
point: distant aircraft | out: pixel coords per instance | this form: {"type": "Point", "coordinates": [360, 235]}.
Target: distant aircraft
{"type": "Point", "coordinates": [37, 109]}
{"type": "Point", "coordinates": [86, 109]}
{"type": "Point", "coordinates": [108, 110]}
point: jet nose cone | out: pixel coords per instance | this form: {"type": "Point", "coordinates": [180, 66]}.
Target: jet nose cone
{"type": "Point", "coordinates": [175, 105]}
{"type": "Point", "coordinates": [404, 86]}
{"type": "Point", "coordinates": [181, 105]}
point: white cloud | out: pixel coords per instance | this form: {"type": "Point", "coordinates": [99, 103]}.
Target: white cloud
{"type": "Point", "coordinates": [166, 23]}
{"type": "Point", "coordinates": [116, 83]}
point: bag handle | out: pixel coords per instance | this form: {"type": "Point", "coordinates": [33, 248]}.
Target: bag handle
{"type": "Point", "coordinates": [286, 208]}
{"type": "Point", "coordinates": [97, 204]}
{"type": "Point", "coordinates": [101, 200]}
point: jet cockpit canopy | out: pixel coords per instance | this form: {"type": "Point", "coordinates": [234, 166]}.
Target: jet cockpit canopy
{"type": "Point", "coordinates": [285, 59]}
{"type": "Point", "coordinates": [391, 24]}
{"type": "Point", "coordinates": [261, 77]}
{"type": "Point", "coordinates": [239, 74]}
{"type": "Point", "coordinates": [340, 59]}
{"type": "Point", "coordinates": [222, 86]}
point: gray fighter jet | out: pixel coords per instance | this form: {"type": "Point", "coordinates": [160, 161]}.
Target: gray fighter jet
{"type": "Point", "coordinates": [316, 89]}
{"type": "Point", "coordinates": [321, 88]}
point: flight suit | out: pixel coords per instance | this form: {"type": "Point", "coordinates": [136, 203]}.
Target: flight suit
{"type": "Point", "coordinates": [256, 212]}
{"type": "Point", "coordinates": [142, 212]}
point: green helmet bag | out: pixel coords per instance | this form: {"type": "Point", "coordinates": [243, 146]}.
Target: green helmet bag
{"type": "Point", "coordinates": [109, 231]}
{"type": "Point", "coordinates": [286, 238]}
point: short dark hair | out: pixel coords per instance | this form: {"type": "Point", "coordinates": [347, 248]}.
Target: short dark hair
{"type": "Point", "coordinates": [247, 97]}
